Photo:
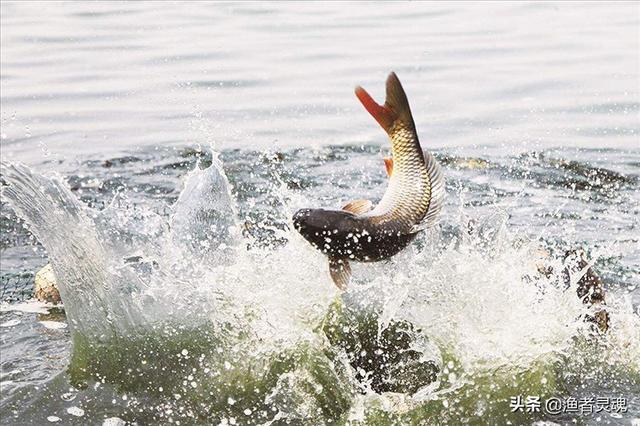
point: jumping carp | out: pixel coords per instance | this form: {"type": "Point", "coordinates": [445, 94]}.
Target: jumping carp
{"type": "Point", "coordinates": [412, 202]}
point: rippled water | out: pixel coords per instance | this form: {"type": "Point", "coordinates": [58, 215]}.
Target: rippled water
{"type": "Point", "coordinates": [101, 77]}
{"type": "Point", "coordinates": [531, 108]}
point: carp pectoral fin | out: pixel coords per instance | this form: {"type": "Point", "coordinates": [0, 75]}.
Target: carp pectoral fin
{"type": "Point", "coordinates": [388, 164]}
{"type": "Point", "coordinates": [358, 206]}
{"type": "Point", "coordinates": [340, 271]}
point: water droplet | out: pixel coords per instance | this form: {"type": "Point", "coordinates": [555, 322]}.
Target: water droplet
{"type": "Point", "coordinates": [69, 396]}
{"type": "Point", "coordinates": [75, 411]}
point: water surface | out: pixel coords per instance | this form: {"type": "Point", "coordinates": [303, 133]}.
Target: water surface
{"type": "Point", "coordinates": [531, 108]}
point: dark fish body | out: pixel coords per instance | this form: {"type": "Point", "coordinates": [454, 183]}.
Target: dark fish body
{"type": "Point", "coordinates": [340, 234]}
{"type": "Point", "coordinates": [412, 202]}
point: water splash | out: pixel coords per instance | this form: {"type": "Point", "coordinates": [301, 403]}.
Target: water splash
{"type": "Point", "coordinates": [185, 311]}
{"type": "Point", "coordinates": [78, 256]}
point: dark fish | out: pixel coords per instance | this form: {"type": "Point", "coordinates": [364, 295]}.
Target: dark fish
{"type": "Point", "coordinates": [412, 202]}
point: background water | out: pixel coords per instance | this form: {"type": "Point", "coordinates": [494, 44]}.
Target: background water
{"type": "Point", "coordinates": [532, 108]}
{"type": "Point", "coordinates": [90, 78]}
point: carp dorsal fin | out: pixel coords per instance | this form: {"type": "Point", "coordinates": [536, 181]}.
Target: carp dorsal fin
{"type": "Point", "coordinates": [340, 271]}
{"type": "Point", "coordinates": [396, 106]}
{"type": "Point", "coordinates": [358, 206]}
{"type": "Point", "coordinates": [436, 178]}
{"type": "Point", "coordinates": [388, 164]}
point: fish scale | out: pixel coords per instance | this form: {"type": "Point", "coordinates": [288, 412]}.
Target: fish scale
{"type": "Point", "coordinates": [408, 196]}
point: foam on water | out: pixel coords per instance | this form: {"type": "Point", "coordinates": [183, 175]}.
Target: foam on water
{"type": "Point", "coordinates": [186, 310]}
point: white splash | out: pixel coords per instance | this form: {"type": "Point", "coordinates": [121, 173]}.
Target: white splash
{"type": "Point", "coordinates": [478, 296]}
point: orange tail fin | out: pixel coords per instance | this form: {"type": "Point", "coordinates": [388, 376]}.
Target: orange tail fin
{"type": "Point", "coordinates": [383, 115]}
{"type": "Point", "coordinates": [396, 106]}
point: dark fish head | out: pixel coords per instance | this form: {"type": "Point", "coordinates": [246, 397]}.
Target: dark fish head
{"type": "Point", "coordinates": [327, 230]}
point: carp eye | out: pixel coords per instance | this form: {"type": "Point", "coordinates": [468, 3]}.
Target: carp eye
{"type": "Point", "coordinates": [299, 218]}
